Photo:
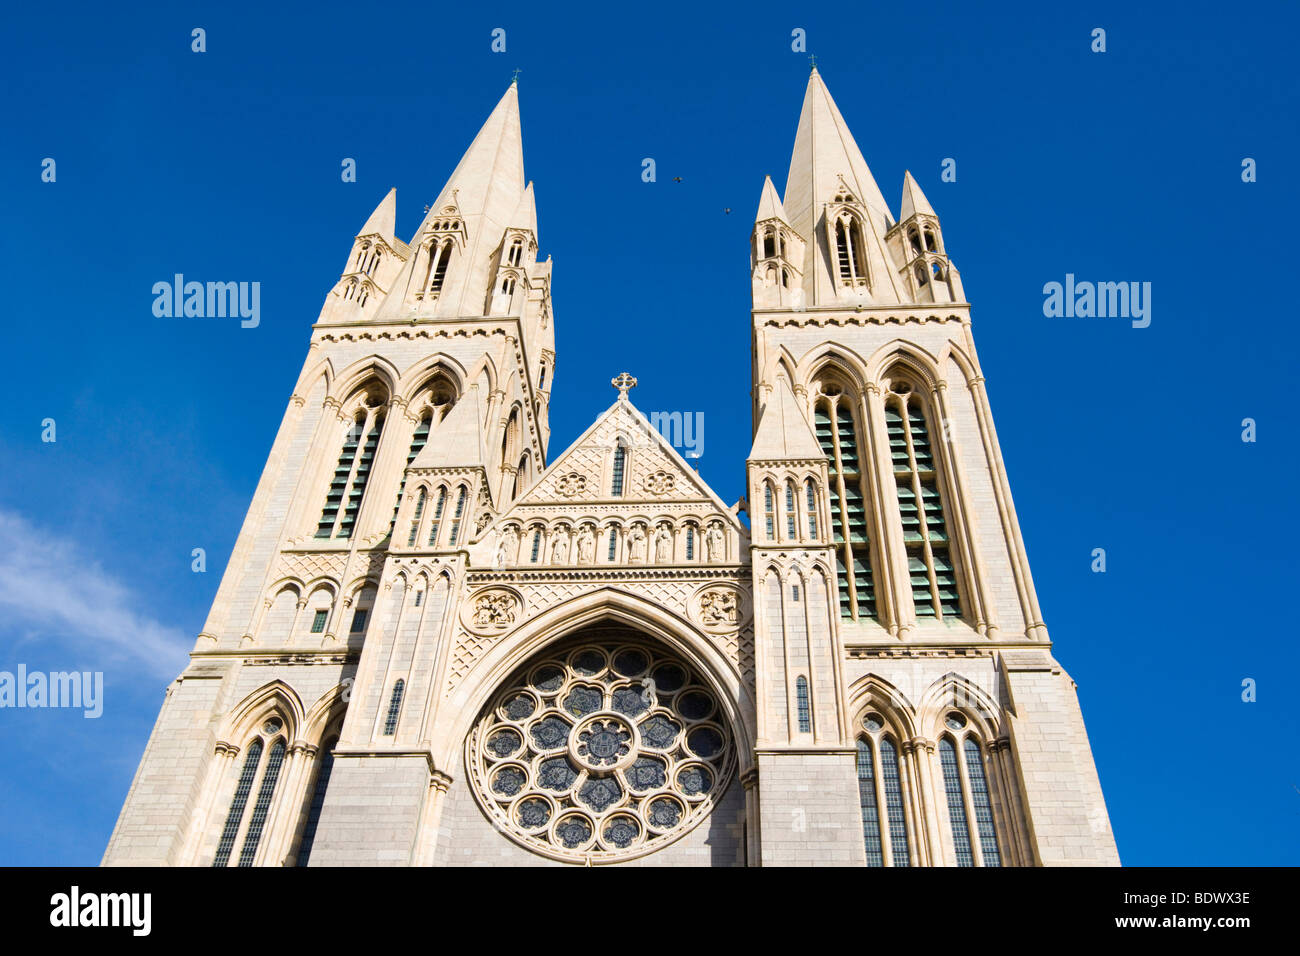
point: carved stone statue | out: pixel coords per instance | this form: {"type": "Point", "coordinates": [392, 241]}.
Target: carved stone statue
{"type": "Point", "coordinates": [716, 543]}
{"type": "Point", "coordinates": [586, 546]}
{"type": "Point", "coordinates": [663, 545]}
{"type": "Point", "coordinates": [560, 548]}
{"type": "Point", "coordinates": [636, 545]}
{"type": "Point", "coordinates": [508, 548]}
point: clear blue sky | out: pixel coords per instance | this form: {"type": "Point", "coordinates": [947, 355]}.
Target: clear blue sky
{"type": "Point", "coordinates": [225, 165]}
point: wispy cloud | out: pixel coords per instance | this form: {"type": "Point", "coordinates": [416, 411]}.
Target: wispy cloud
{"type": "Point", "coordinates": [51, 590]}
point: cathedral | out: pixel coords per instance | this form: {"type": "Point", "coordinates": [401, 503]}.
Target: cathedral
{"type": "Point", "coordinates": [436, 644]}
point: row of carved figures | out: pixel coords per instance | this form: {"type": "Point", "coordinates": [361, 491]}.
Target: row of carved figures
{"type": "Point", "coordinates": [611, 545]}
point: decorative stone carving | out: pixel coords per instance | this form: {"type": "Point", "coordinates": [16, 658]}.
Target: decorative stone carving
{"type": "Point", "coordinates": [586, 545]}
{"type": "Point", "coordinates": [660, 483]}
{"type": "Point", "coordinates": [495, 610]}
{"type": "Point", "coordinates": [508, 548]}
{"type": "Point", "coordinates": [560, 547]}
{"type": "Point", "coordinates": [716, 543]}
{"type": "Point", "coordinates": [663, 545]}
{"type": "Point", "coordinates": [572, 484]}
{"type": "Point", "coordinates": [719, 608]}
{"type": "Point", "coordinates": [636, 545]}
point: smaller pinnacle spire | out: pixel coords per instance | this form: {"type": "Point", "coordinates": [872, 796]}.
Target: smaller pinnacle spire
{"type": "Point", "coordinates": [383, 221]}
{"type": "Point", "coordinates": [769, 206]}
{"type": "Point", "coordinates": [914, 200]}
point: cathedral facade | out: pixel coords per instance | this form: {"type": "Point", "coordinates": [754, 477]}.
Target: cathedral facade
{"type": "Point", "coordinates": [435, 644]}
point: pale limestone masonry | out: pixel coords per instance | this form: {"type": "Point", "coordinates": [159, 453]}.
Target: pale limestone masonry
{"type": "Point", "coordinates": [435, 646]}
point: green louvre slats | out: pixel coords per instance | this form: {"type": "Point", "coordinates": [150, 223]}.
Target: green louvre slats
{"type": "Point", "coordinates": [848, 441]}
{"type": "Point", "coordinates": [931, 575]}
{"type": "Point", "coordinates": [862, 582]}
{"type": "Point", "coordinates": [359, 482]}
{"type": "Point", "coordinates": [848, 513]}
{"type": "Point", "coordinates": [920, 439]}
{"type": "Point", "coordinates": [338, 485]}
{"type": "Point", "coordinates": [842, 575]}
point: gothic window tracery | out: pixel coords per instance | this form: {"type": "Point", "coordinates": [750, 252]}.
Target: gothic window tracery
{"type": "Point", "coordinates": [348, 485]}
{"type": "Point", "coordinates": [925, 533]}
{"type": "Point", "coordinates": [601, 749]}
{"type": "Point", "coordinates": [966, 789]}
{"type": "Point", "coordinates": [835, 421]}
{"type": "Point", "coordinates": [258, 778]}
{"type": "Point", "coordinates": [880, 791]}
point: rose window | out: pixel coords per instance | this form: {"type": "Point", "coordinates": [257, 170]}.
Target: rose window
{"type": "Point", "coordinates": [600, 752]}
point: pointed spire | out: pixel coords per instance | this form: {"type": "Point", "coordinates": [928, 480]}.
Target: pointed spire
{"type": "Point", "coordinates": [383, 221]}
{"type": "Point", "coordinates": [914, 200]}
{"type": "Point", "coordinates": [769, 206]}
{"type": "Point", "coordinates": [489, 178]}
{"type": "Point", "coordinates": [825, 153]}
{"type": "Point", "coordinates": [783, 432]}
{"type": "Point", "coordinates": [525, 214]}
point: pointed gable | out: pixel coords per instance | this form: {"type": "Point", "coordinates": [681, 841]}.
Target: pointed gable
{"type": "Point", "coordinates": [783, 432]}
{"type": "Point", "coordinates": [655, 474]}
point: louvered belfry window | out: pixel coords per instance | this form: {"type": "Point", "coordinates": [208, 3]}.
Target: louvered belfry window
{"type": "Point", "coordinates": [348, 486]}
{"type": "Point", "coordinates": [837, 431]}
{"type": "Point", "coordinates": [925, 532]}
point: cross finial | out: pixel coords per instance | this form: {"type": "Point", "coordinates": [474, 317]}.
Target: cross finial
{"type": "Point", "coordinates": [812, 58]}
{"type": "Point", "coordinates": [623, 382]}
{"type": "Point", "coordinates": [514, 80]}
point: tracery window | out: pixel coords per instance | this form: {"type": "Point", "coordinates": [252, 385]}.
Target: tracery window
{"type": "Point", "coordinates": [966, 786]}
{"type": "Point", "coordinates": [850, 253]}
{"type": "Point", "coordinates": [620, 462]}
{"type": "Point", "coordinates": [925, 533]}
{"type": "Point", "coordinates": [415, 520]}
{"type": "Point", "coordinates": [884, 824]}
{"type": "Point", "coordinates": [395, 704]}
{"type": "Point", "coordinates": [769, 512]}
{"type": "Point", "coordinates": [456, 517]}
{"type": "Point", "coordinates": [812, 508]}
{"type": "Point", "coordinates": [436, 521]}
{"type": "Point", "coordinates": [599, 750]}
{"type": "Point", "coordinates": [348, 486]}
{"type": "Point", "coordinates": [802, 708]}
{"type": "Point", "coordinates": [791, 517]}
{"type": "Point", "coordinates": [836, 424]}
{"type": "Point", "coordinates": [326, 767]}
{"type": "Point", "coordinates": [260, 775]}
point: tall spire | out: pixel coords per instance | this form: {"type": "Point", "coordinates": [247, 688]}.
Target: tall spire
{"type": "Point", "coordinates": [489, 179]}
{"type": "Point", "coordinates": [825, 153]}
{"type": "Point", "coordinates": [914, 200]}
{"type": "Point", "coordinates": [476, 205]}
{"type": "Point", "coordinates": [827, 172]}
{"type": "Point", "coordinates": [383, 221]}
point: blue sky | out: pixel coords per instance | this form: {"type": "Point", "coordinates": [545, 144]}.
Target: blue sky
{"type": "Point", "coordinates": [225, 165]}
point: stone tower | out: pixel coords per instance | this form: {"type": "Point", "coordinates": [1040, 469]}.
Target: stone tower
{"type": "Point", "coordinates": [434, 645]}
{"type": "Point", "coordinates": [911, 711]}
